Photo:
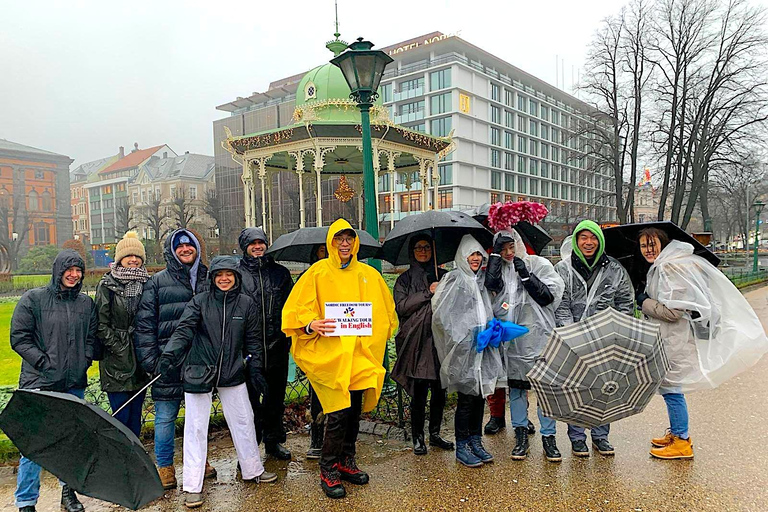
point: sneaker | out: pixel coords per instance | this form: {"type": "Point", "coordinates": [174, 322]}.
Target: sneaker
{"type": "Point", "coordinates": [419, 446]}
{"type": "Point", "coordinates": [193, 499]}
{"type": "Point", "coordinates": [579, 448]}
{"type": "Point", "coordinates": [476, 446]}
{"type": "Point", "coordinates": [278, 451]}
{"type": "Point", "coordinates": [522, 445]}
{"type": "Point", "coordinates": [69, 501]}
{"type": "Point", "coordinates": [531, 428]}
{"type": "Point", "coordinates": [550, 449]}
{"type": "Point", "coordinates": [330, 481]}
{"type": "Point", "coordinates": [494, 425]}
{"type": "Point", "coordinates": [265, 478]}
{"type": "Point", "coordinates": [314, 453]}
{"type": "Point", "coordinates": [465, 455]}
{"type": "Point", "coordinates": [678, 449]}
{"type": "Point", "coordinates": [438, 442]}
{"type": "Point", "coordinates": [210, 471]}
{"type": "Point", "coordinates": [602, 446]}
{"type": "Point", "coordinates": [661, 442]}
{"type": "Point", "coordinates": [167, 477]}
{"type": "Point", "coordinates": [349, 471]}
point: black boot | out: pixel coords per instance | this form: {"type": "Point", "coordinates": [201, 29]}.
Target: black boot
{"type": "Point", "coordinates": [494, 425]}
{"type": "Point", "coordinates": [437, 441]}
{"type": "Point", "coordinates": [278, 451]}
{"type": "Point", "coordinates": [550, 449]}
{"type": "Point", "coordinates": [419, 446]}
{"type": "Point", "coordinates": [315, 441]}
{"type": "Point", "coordinates": [28, 508]}
{"type": "Point", "coordinates": [330, 481]}
{"type": "Point", "coordinates": [69, 500]}
{"type": "Point", "coordinates": [520, 451]}
{"type": "Point", "coordinates": [531, 428]}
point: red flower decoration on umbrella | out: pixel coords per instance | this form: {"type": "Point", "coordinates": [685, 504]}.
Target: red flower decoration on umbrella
{"type": "Point", "coordinates": [504, 215]}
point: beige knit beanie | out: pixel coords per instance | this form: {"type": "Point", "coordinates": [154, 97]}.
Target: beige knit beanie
{"type": "Point", "coordinates": [130, 245]}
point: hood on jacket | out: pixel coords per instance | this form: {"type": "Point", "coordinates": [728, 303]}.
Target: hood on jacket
{"type": "Point", "coordinates": [220, 263]}
{"type": "Point", "coordinates": [250, 235]}
{"type": "Point", "coordinates": [172, 261]}
{"type": "Point", "coordinates": [593, 228]}
{"type": "Point", "coordinates": [333, 253]}
{"type": "Point", "coordinates": [517, 240]}
{"type": "Point", "coordinates": [422, 237]}
{"type": "Point", "coordinates": [65, 259]}
{"type": "Point", "coordinates": [674, 249]}
{"type": "Point", "coordinates": [468, 246]}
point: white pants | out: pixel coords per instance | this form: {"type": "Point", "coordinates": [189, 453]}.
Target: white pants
{"type": "Point", "coordinates": [239, 416]}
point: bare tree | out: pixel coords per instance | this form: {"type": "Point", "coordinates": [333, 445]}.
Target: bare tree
{"type": "Point", "coordinates": [156, 221]}
{"type": "Point", "coordinates": [124, 220]}
{"type": "Point", "coordinates": [182, 208]}
{"type": "Point", "coordinates": [17, 221]}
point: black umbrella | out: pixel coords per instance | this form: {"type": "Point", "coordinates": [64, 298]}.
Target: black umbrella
{"type": "Point", "coordinates": [621, 243]}
{"type": "Point", "coordinates": [479, 213]}
{"type": "Point", "coordinates": [83, 446]}
{"type": "Point", "coordinates": [446, 229]}
{"type": "Point", "coordinates": [533, 235]}
{"type": "Point", "coordinates": [301, 245]}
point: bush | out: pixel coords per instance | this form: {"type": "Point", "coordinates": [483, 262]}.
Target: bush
{"type": "Point", "coordinates": [39, 260]}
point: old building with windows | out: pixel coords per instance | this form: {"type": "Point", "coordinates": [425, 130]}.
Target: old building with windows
{"type": "Point", "coordinates": [34, 192]}
{"type": "Point", "coordinates": [81, 222]}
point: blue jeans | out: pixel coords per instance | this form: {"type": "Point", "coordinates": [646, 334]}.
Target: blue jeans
{"type": "Point", "coordinates": [130, 416]}
{"type": "Point", "coordinates": [518, 410]}
{"type": "Point", "coordinates": [578, 433]}
{"type": "Point", "coordinates": [166, 413]}
{"type": "Point", "coordinates": [28, 477]}
{"type": "Point", "coordinates": [677, 409]}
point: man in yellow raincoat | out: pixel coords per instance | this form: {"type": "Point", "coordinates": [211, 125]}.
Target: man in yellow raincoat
{"type": "Point", "coordinates": [346, 372]}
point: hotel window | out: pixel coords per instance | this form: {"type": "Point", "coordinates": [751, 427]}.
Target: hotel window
{"type": "Point", "coordinates": [564, 121]}
{"type": "Point", "coordinates": [534, 187]}
{"type": "Point", "coordinates": [495, 180]}
{"type": "Point", "coordinates": [495, 136]}
{"type": "Point", "coordinates": [409, 85]}
{"type": "Point", "coordinates": [33, 199]}
{"type": "Point", "coordinates": [533, 108]}
{"type": "Point", "coordinates": [441, 127]}
{"type": "Point", "coordinates": [544, 170]}
{"type": "Point", "coordinates": [421, 128]}
{"type": "Point", "coordinates": [509, 161]}
{"type": "Point", "coordinates": [555, 190]}
{"type": "Point", "coordinates": [545, 113]}
{"type": "Point", "coordinates": [521, 124]}
{"type": "Point", "coordinates": [533, 168]}
{"type": "Point", "coordinates": [495, 92]}
{"type": "Point", "coordinates": [545, 151]}
{"type": "Point", "coordinates": [534, 147]}
{"type": "Point", "coordinates": [193, 192]}
{"type": "Point", "coordinates": [522, 144]}
{"type": "Point", "coordinates": [384, 203]}
{"type": "Point", "coordinates": [120, 187]}
{"type": "Point", "coordinates": [440, 79]}
{"type": "Point", "coordinates": [107, 189]}
{"type": "Point", "coordinates": [509, 98]}
{"type": "Point", "coordinates": [545, 188]}
{"type": "Point", "coordinates": [555, 136]}
{"type": "Point", "coordinates": [386, 93]}
{"type": "Point", "coordinates": [412, 108]}
{"type": "Point", "coordinates": [446, 174]}
{"type": "Point", "coordinates": [522, 185]}
{"type": "Point", "coordinates": [555, 117]}
{"type": "Point", "coordinates": [495, 114]}
{"type": "Point", "coordinates": [410, 202]}
{"type": "Point", "coordinates": [384, 183]}
{"type": "Point", "coordinates": [495, 197]}
{"type": "Point", "coordinates": [521, 103]}
{"type": "Point", "coordinates": [495, 158]}
{"type": "Point", "coordinates": [520, 164]}
{"type": "Point", "coordinates": [41, 234]}
{"type": "Point", "coordinates": [509, 119]}
{"type": "Point", "coordinates": [564, 194]}
{"type": "Point", "coordinates": [509, 140]}
{"type": "Point", "coordinates": [445, 199]}
{"type": "Point", "coordinates": [544, 131]}
{"type": "Point", "coordinates": [509, 182]}
{"type": "Point", "coordinates": [534, 128]}
{"type": "Point", "coordinates": [555, 154]}
{"type": "Point", "coordinates": [440, 104]}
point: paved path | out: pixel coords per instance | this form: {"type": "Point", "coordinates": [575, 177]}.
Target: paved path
{"type": "Point", "coordinates": [730, 472]}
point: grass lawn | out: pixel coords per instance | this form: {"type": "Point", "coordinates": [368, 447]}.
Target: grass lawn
{"type": "Point", "coordinates": [31, 281]}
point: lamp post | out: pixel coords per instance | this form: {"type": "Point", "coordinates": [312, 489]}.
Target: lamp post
{"type": "Point", "coordinates": [363, 68]}
{"type": "Point", "coordinates": [758, 206]}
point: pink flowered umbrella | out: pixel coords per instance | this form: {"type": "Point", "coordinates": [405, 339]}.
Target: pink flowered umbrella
{"type": "Point", "coordinates": [521, 215]}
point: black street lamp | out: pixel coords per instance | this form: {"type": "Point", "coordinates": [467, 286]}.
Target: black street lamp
{"type": "Point", "coordinates": [758, 206]}
{"type": "Point", "coordinates": [363, 68]}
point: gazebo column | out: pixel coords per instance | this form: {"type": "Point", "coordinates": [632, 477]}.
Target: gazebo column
{"type": "Point", "coordinates": [391, 155]}
{"type": "Point", "coordinates": [320, 153]}
{"type": "Point", "coordinates": [262, 172]}
{"type": "Point", "coordinates": [269, 196]}
{"type": "Point", "coordinates": [424, 179]}
{"type": "Point", "coordinates": [376, 171]}
{"type": "Point", "coordinates": [299, 157]}
{"type": "Point", "coordinates": [247, 178]}
{"type": "Point", "coordinates": [435, 183]}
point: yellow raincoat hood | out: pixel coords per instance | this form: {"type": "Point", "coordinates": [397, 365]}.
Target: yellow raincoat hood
{"type": "Point", "coordinates": [337, 365]}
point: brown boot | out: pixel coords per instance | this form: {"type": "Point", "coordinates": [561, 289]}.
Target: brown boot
{"type": "Point", "coordinates": [677, 449]}
{"type": "Point", "coordinates": [167, 477]}
{"type": "Point", "coordinates": [210, 471]}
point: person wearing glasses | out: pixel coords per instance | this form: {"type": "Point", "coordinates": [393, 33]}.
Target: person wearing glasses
{"type": "Point", "coordinates": [346, 372]}
{"type": "Point", "coordinates": [417, 368]}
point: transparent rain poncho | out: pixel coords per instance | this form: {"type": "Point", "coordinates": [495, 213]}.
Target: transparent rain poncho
{"type": "Point", "coordinates": [461, 309]}
{"type": "Point", "coordinates": [514, 304]}
{"type": "Point", "coordinates": [611, 288]}
{"type": "Point", "coordinates": [727, 337]}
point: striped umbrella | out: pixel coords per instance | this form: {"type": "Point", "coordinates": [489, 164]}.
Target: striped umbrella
{"type": "Point", "coordinates": [599, 370]}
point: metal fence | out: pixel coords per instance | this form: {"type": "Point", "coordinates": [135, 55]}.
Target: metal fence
{"type": "Point", "coordinates": [745, 277]}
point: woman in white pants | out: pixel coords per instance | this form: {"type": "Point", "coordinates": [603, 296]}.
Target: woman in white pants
{"type": "Point", "coordinates": [218, 335]}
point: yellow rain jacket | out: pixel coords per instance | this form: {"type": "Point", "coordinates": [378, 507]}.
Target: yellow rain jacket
{"type": "Point", "coordinates": [337, 365]}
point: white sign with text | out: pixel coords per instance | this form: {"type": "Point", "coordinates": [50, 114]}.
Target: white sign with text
{"type": "Point", "coordinates": [352, 318]}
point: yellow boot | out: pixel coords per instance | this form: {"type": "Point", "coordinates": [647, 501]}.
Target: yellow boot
{"type": "Point", "coordinates": [661, 442]}
{"type": "Point", "coordinates": [677, 449]}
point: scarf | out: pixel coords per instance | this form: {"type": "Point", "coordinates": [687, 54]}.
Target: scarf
{"type": "Point", "coordinates": [132, 278]}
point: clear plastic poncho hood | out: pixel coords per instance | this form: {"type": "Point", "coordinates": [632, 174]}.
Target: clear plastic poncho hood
{"type": "Point", "coordinates": [514, 304]}
{"type": "Point", "coordinates": [724, 341]}
{"type": "Point", "coordinates": [462, 308]}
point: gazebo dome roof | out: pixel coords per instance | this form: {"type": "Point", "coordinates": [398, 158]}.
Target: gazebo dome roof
{"type": "Point", "coordinates": [322, 83]}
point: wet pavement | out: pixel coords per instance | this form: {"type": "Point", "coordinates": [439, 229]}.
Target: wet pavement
{"type": "Point", "coordinates": [729, 473]}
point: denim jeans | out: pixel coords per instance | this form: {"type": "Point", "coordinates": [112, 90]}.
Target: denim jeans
{"type": "Point", "coordinates": [518, 410]}
{"type": "Point", "coordinates": [677, 409]}
{"type": "Point", "coordinates": [578, 433]}
{"type": "Point", "coordinates": [130, 416]}
{"type": "Point", "coordinates": [28, 478]}
{"type": "Point", "coordinates": [166, 413]}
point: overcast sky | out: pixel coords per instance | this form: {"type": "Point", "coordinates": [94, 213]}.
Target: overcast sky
{"type": "Point", "coordinates": [84, 77]}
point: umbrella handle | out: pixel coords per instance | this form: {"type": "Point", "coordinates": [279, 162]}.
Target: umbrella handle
{"type": "Point", "coordinates": [134, 396]}
{"type": "Point", "coordinates": [434, 256]}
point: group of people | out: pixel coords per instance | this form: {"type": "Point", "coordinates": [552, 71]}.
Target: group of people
{"type": "Point", "coordinates": [229, 329]}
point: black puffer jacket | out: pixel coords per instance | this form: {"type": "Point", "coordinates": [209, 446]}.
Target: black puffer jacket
{"type": "Point", "coordinates": [54, 332]}
{"type": "Point", "coordinates": [162, 303]}
{"type": "Point", "coordinates": [268, 284]}
{"type": "Point", "coordinates": [212, 361]}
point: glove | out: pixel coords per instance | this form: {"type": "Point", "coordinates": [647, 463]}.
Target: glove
{"type": "Point", "coordinates": [640, 298]}
{"type": "Point", "coordinates": [520, 267]}
{"type": "Point", "coordinates": [258, 381]}
{"type": "Point", "coordinates": [164, 366]}
{"type": "Point", "coordinates": [498, 245]}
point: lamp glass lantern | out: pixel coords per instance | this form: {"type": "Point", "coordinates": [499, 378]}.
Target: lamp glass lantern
{"type": "Point", "coordinates": [362, 68]}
